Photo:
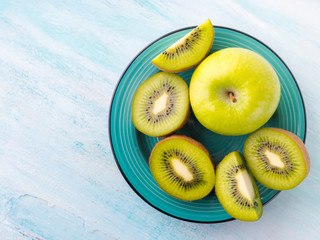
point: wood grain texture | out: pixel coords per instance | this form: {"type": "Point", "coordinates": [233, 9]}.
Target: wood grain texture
{"type": "Point", "coordinates": [60, 62]}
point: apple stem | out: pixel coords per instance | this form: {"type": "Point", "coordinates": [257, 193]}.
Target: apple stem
{"type": "Point", "coordinates": [233, 99]}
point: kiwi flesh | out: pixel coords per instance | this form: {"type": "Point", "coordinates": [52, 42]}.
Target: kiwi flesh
{"type": "Point", "coordinates": [182, 167]}
{"type": "Point", "coordinates": [188, 51]}
{"type": "Point", "coordinates": [236, 188]}
{"type": "Point", "coordinates": [277, 158]}
{"type": "Point", "coordinates": [161, 105]}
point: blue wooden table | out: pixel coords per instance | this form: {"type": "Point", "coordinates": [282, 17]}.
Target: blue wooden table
{"type": "Point", "coordinates": [59, 64]}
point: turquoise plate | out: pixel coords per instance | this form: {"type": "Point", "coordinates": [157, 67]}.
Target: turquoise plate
{"type": "Point", "coordinates": [132, 149]}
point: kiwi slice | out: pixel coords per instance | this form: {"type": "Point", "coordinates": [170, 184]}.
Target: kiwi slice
{"type": "Point", "coordinates": [236, 188]}
{"type": "Point", "coordinates": [277, 158]}
{"type": "Point", "coordinates": [161, 105]}
{"type": "Point", "coordinates": [182, 167]}
{"type": "Point", "coordinates": [188, 51]}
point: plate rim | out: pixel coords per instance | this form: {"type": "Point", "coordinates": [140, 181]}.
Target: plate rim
{"type": "Point", "coordinates": [116, 88]}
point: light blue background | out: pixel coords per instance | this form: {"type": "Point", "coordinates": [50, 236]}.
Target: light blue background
{"type": "Point", "coordinates": [59, 64]}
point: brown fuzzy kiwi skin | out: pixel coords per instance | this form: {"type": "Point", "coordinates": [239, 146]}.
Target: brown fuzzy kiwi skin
{"type": "Point", "coordinates": [186, 68]}
{"type": "Point", "coordinates": [300, 144]}
{"type": "Point", "coordinates": [188, 139]}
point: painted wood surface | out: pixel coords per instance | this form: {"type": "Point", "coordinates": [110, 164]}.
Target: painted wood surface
{"type": "Point", "coordinates": [59, 64]}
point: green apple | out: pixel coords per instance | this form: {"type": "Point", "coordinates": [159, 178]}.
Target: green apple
{"type": "Point", "coordinates": [234, 91]}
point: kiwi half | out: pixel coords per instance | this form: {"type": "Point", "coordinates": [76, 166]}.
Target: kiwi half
{"type": "Point", "coordinates": [188, 51]}
{"type": "Point", "coordinates": [277, 158]}
{"type": "Point", "coordinates": [161, 105]}
{"type": "Point", "coordinates": [182, 167]}
{"type": "Point", "coordinates": [236, 188]}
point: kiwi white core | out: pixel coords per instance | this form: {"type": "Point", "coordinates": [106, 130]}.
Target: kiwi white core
{"type": "Point", "coordinates": [160, 103]}
{"type": "Point", "coordinates": [245, 184]}
{"type": "Point", "coordinates": [181, 169]}
{"type": "Point", "coordinates": [274, 159]}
